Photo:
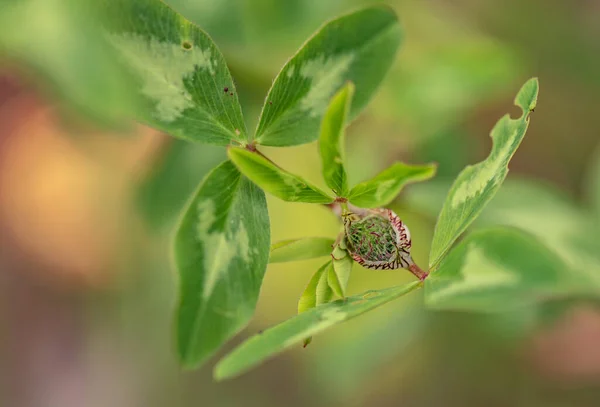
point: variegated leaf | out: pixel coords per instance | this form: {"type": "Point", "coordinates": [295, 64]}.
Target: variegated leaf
{"type": "Point", "coordinates": [476, 185]}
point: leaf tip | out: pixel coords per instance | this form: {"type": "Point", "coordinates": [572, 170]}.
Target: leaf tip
{"type": "Point", "coordinates": [386, 8]}
{"type": "Point", "coordinates": [220, 373]}
{"type": "Point", "coordinates": [432, 168]}
{"type": "Point", "coordinates": [526, 99]}
{"type": "Point", "coordinates": [187, 361]}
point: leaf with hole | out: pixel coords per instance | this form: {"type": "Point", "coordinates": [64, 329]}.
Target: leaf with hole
{"type": "Point", "coordinates": [221, 251]}
{"type": "Point", "coordinates": [476, 185]}
{"type": "Point", "coordinates": [293, 331]}
{"type": "Point", "coordinates": [358, 47]}
{"type": "Point", "coordinates": [300, 249]}
{"type": "Point", "coordinates": [331, 141]}
{"type": "Point", "coordinates": [528, 204]}
{"type": "Point", "coordinates": [497, 270]}
{"type": "Point", "coordinates": [384, 187]}
{"type": "Point", "coordinates": [275, 180]}
{"type": "Point", "coordinates": [180, 73]}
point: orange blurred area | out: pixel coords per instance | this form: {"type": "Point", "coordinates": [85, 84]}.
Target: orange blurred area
{"type": "Point", "coordinates": [88, 204]}
{"type": "Point", "coordinates": [63, 190]}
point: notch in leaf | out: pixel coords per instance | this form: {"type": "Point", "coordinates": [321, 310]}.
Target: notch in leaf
{"type": "Point", "coordinates": [297, 101]}
{"type": "Point", "coordinates": [476, 185]}
{"type": "Point", "coordinates": [275, 180]}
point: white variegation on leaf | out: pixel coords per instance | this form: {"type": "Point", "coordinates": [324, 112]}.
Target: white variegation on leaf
{"type": "Point", "coordinates": [221, 251]}
{"type": "Point", "coordinates": [326, 74]}
{"type": "Point", "coordinates": [180, 75]}
{"type": "Point", "coordinates": [162, 68]}
{"type": "Point", "coordinates": [295, 330]}
{"type": "Point", "coordinates": [335, 55]}
{"type": "Point", "coordinates": [476, 185]}
{"type": "Point", "coordinates": [498, 270]}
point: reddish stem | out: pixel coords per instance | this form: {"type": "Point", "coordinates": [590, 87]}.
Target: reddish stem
{"type": "Point", "coordinates": [418, 272]}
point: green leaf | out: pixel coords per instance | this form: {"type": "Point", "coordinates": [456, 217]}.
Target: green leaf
{"type": "Point", "coordinates": [339, 275]}
{"type": "Point", "coordinates": [495, 270]}
{"type": "Point", "coordinates": [317, 291]}
{"type": "Point", "coordinates": [276, 181]}
{"type": "Point", "coordinates": [331, 142]}
{"type": "Point", "coordinates": [382, 189]}
{"type": "Point", "coordinates": [293, 331]}
{"type": "Point", "coordinates": [182, 76]}
{"type": "Point", "coordinates": [476, 185]}
{"type": "Point", "coordinates": [174, 175]}
{"type": "Point", "coordinates": [300, 249]}
{"type": "Point", "coordinates": [221, 252]}
{"type": "Point", "coordinates": [337, 364]}
{"type": "Point", "coordinates": [63, 43]}
{"type": "Point", "coordinates": [527, 205]}
{"type": "Point", "coordinates": [358, 47]}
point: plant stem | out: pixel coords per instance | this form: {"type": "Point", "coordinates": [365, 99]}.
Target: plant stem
{"type": "Point", "coordinates": [418, 272]}
{"type": "Point", "coordinates": [344, 206]}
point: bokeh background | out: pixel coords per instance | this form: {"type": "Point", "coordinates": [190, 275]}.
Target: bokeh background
{"type": "Point", "coordinates": [88, 202]}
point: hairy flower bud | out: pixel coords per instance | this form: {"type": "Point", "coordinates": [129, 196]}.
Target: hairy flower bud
{"type": "Point", "coordinates": [378, 239]}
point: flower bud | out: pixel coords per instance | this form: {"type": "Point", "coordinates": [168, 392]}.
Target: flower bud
{"type": "Point", "coordinates": [378, 239]}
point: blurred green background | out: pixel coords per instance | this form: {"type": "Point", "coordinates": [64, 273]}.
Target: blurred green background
{"type": "Point", "coordinates": [88, 201]}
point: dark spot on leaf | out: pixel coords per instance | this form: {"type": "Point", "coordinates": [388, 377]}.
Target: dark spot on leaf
{"type": "Point", "coordinates": [186, 45]}
{"type": "Point", "coordinates": [231, 93]}
{"type": "Point", "coordinates": [225, 89]}
{"type": "Point", "coordinates": [270, 102]}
